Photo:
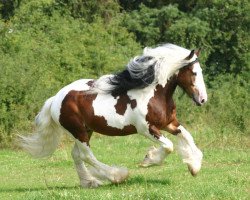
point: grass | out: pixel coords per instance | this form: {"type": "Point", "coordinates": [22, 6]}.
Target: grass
{"type": "Point", "coordinates": [225, 172]}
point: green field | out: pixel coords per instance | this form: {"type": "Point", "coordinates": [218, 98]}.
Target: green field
{"type": "Point", "coordinates": [47, 44]}
{"type": "Point", "coordinates": [225, 172]}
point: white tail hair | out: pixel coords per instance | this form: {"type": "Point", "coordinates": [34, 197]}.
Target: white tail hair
{"type": "Point", "coordinates": [47, 136]}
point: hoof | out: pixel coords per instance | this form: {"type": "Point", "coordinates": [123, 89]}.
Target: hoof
{"type": "Point", "coordinates": [119, 175]}
{"type": "Point", "coordinates": [143, 164]}
{"type": "Point", "coordinates": [148, 163]}
{"type": "Point", "coordinates": [194, 167]}
{"type": "Point", "coordinates": [194, 164]}
{"type": "Point", "coordinates": [93, 183]}
{"type": "Point", "coordinates": [193, 171]}
{"type": "Point", "coordinates": [113, 174]}
{"type": "Point", "coordinates": [152, 158]}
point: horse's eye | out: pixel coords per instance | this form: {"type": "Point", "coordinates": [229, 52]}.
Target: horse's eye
{"type": "Point", "coordinates": [194, 73]}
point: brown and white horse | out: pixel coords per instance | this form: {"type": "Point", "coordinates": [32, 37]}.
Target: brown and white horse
{"type": "Point", "coordinates": [136, 100]}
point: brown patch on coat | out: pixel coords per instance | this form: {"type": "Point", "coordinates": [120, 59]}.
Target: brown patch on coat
{"type": "Point", "coordinates": [133, 103]}
{"type": "Point", "coordinates": [161, 107]}
{"type": "Point", "coordinates": [173, 127]}
{"type": "Point", "coordinates": [71, 117]}
{"type": "Point", "coordinates": [122, 103]}
{"type": "Point", "coordinates": [154, 131]}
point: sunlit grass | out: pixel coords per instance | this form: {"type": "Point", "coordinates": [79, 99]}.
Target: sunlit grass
{"type": "Point", "coordinates": [225, 173]}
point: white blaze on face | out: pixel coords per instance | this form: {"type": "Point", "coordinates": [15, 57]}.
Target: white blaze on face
{"type": "Point", "coordinates": [199, 83]}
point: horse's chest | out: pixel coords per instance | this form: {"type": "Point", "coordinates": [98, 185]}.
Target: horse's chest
{"type": "Point", "coordinates": [160, 112]}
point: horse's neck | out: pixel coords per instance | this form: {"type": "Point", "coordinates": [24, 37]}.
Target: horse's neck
{"type": "Point", "coordinates": [166, 92]}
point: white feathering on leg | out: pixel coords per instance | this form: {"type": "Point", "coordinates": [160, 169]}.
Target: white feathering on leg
{"type": "Point", "coordinates": [191, 155]}
{"type": "Point", "coordinates": [101, 170]}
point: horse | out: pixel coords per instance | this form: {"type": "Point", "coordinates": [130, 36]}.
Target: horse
{"type": "Point", "coordinates": [138, 99]}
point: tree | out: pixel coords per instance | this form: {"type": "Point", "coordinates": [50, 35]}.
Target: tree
{"type": "Point", "coordinates": [220, 27]}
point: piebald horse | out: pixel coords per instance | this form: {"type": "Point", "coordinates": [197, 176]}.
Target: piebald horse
{"type": "Point", "coordinates": [137, 100]}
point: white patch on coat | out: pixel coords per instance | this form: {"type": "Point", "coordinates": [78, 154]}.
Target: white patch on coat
{"type": "Point", "coordinates": [104, 106]}
{"type": "Point", "coordinates": [199, 83]}
{"type": "Point", "coordinates": [101, 85]}
{"type": "Point", "coordinates": [79, 85]}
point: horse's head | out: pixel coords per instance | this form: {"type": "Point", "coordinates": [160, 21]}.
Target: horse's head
{"type": "Point", "coordinates": [190, 79]}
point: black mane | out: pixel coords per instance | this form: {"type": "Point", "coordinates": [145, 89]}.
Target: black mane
{"type": "Point", "coordinates": [123, 81]}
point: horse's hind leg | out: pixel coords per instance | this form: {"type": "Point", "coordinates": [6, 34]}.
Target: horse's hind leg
{"type": "Point", "coordinates": [82, 154]}
{"type": "Point", "coordinates": [86, 179]}
{"type": "Point", "coordinates": [101, 170]}
{"type": "Point", "coordinates": [155, 156]}
{"type": "Point", "coordinates": [76, 127]}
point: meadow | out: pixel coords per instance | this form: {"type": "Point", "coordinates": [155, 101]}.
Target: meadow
{"type": "Point", "coordinates": [224, 175]}
{"type": "Point", "coordinates": [47, 44]}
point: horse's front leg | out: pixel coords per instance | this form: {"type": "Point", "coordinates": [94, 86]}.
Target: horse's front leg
{"type": "Point", "coordinates": [190, 153]}
{"type": "Point", "coordinates": [155, 156]}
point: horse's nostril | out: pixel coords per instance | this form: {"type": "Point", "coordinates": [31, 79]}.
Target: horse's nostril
{"type": "Point", "coordinates": [203, 101]}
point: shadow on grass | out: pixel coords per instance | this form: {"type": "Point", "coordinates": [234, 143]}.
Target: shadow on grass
{"type": "Point", "coordinates": [137, 180]}
{"type": "Point", "coordinates": [142, 179]}
{"type": "Point", "coordinates": [38, 189]}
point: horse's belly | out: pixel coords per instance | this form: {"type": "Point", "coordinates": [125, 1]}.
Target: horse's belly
{"type": "Point", "coordinates": [100, 126]}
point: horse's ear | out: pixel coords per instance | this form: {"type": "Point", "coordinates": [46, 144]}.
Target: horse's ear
{"type": "Point", "coordinates": [197, 52]}
{"type": "Point", "coordinates": [190, 55]}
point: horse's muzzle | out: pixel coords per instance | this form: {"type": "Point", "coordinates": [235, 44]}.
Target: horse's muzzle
{"type": "Point", "coordinates": [198, 101]}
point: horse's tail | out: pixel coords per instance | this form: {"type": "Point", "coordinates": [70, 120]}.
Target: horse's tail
{"type": "Point", "coordinates": [46, 137]}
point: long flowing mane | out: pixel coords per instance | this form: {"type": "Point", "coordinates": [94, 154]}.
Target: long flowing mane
{"type": "Point", "coordinates": [154, 66]}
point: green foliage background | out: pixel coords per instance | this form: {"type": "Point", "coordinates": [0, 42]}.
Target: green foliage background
{"type": "Point", "coordinates": [47, 44]}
